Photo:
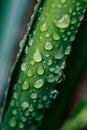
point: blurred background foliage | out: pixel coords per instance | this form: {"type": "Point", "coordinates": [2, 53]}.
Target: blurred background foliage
{"type": "Point", "coordinates": [14, 16]}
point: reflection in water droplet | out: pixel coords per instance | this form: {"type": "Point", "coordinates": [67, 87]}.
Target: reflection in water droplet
{"type": "Point", "coordinates": [63, 22]}
{"type": "Point", "coordinates": [48, 46]}
{"type": "Point", "coordinates": [37, 56]}
{"type": "Point", "coordinates": [39, 83]}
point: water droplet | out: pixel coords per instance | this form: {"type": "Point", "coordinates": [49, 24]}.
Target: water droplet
{"type": "Point", "coordinates": [72, 37]}
{"type": "Point", "coordinates": [34, 95]}
{"type": "Point", "coordinates": [63, 1]}
{"type": "Point", "coordinates": [56, 36]}
{"type": "Point", "coordinates": [21, 125]}
{"type": "Point", "coordinates": [51, 69]}
{"type": "Point", "coordinates": [24, 66]}
{"type": "Point", "coordinates": [48, 104]}
{"type": "Point", "coordinates": [43, 27]}
{"type": "Point", "coordinates": [63, 22]}
{"type": "Point", "coordinates": [59, 54]}
{"type": "Point", "coordinates": [63, 65]}
{"type": "Point", "coordinates": [74, 20]}
{"type": "Point", "coordinates": [40, 70]}
{"type": "Point", "coordinates": [61, 79]}
{"type": "Point", "coordinates": [49, 62]}
{"type": "Point", "coordinates": [32, 62]}
{"type": "Point", "coordinates": [30, 42]}
{"type": "Point", "coordinates": [68, 49]}
{"type": "Point", "coordinates": [29, 73]}
{"type": "Point", "coordinates": [54, 94]}
{"type": "Point", "coordinates": [48, 46]}
{"type": "Point", "coordinates": [40, 106]}
{"type": "Point", "coordinates": [39, 83]}
{"type": "Point", "coordinates": [25, 105]}
{"type": "Point", "coordinates": [15, 95]}
{"type": "Point", "coordinates": [12, 122]}
{"type": "Point", "coordinates": [31, 108]}
{"type": "Point", "coordinates": [14, 112]}
{"type": "Point", "coordinates": [57, 69]}
{"type": "Point", "coordinates": [26, 50]}
{"type": "Point", "coordinates": [51, 78]}
{"type": "Point", "coordinates": [23, 118]}
{"type": "Point", "coordinates": [27, 113]}
{"type": "Point", "coordinates": [44, 98]}
{"type": "Point", "coordinates": [38, 117]}
{"type": "Point", "coordinates": [37, 56]}
{"type": "Point", "coordinates": [47, 35]}
{"type": "Point", "coordinates": [25, 85]}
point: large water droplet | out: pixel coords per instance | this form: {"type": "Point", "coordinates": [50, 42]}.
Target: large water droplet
{"type": "Point", "coordinates": [54, 94]}
{"type": "Point", "coordinates": [25, 105]}
{"type": "Point", "coordinates": [63, 22]}
{"type": "Point", "coordinates": [48, 46]}
{"type": "Point", "coordinates": [29, 73]}
{"type": "Point", "coordinates": [68, 49]}
{"type": "Point", "coordinates": [43, 27]}
{"type": "Point", "coordinates": [37, 56]}
{"type": "Point", "coordinates": [40, 70]}
{"type": "Point", "coordinates": [39, 83]}
{"type": "Point", "coordinates": [56, 36]}
{"type": "Point", "coordinates": [12, 122]}
{"type": "Point", "coordinates": [25, 85]}
{"type": "Point", "coordinates": [24, 66]}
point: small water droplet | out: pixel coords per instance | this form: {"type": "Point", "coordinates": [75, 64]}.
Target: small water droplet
{"type": "Point", "coordinates": [38, 117]}
{"type": "Point", "coordinates": [63, 22]}
{"type": "Point", "coordinates": [44, 98]}
{"type": "Point", "coordinates": [29, 73]}
{"type": "Point", "coordinates": [68, 49]}
{"type": "Point", "coordinates": [21, 125]}
{"type": "Point", "coordinates": [49, 62]}
{"type": "Point", "coordinates": [63, 1]}
{"type": "Point", "coordinates": [40, 106]}
{"type": "Point", "coordinates": [59, 54]}
{"type": "Point", "coordinates": [51, 78]}
{"type": "Point", "coordinates": [47, 35]}
{"type": "Point", "coordinates": [26, 50]}
{"type": "Point", "coordinates": [54, 94]}
{"type": "Point", "coordinates": [25, 105]}
{"type": "Point", "coordinates": [32, 62]}
{"type": "Point", "coordinates": [23, 118]}
{"type": "Point", "coordinates": [48, 46]}
{"type": "Point", "coordinates": [26, 113]}
{"type": "Point", "coordinates": [61, 79]}
{"type": "Point", "coordinates": [30, 42]}
{"type": "Point", "coordinates": [31, 108]}
{"type": "Point", "coordinates": [74, 20]}
{"type": "Point", "coordinates": [40, 70]}
{"type": "Point", "coordinates": [43, 27]}
{"type": "Point", "coordinates": [39, 83]}
{"type": "Point", "coordinates": [56, 36]}
{"type": "Point", "coordinates": [72, 37]}
{"type": "Point", "coordinates": [37, 56]}
{"type": "Point", "coordinates": [51, 69]}
{"type": "Point", "coordinates": [34, 95]}
{"type": "Point", "coordinates": [12, 122]}
{"type": "Point", "coordinates": [24, 66]}
{"type": "Point", "coordinates": [14, 112]}
{"type": "Point", "coordinates": [25, 85]}
{"type": "Point", "coordinates": [63, 65]}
